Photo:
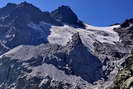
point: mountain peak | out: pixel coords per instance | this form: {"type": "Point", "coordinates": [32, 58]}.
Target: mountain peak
{"type": "Point", "coordinates": [11, 5]}
{"type": "Point", "coordinates": [7, 9]}
{"type": "Point", "coordinates": [25, 4]}
{"type": "Point", "coordinates": [65, 14]}
{"type": "Point", "coordinates": [127, 23]}
{"type": "Point", "coordinates": [64, 7]}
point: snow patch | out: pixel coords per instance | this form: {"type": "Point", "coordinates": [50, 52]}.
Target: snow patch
{"type": "Point", "coordinates": [61, 35]}
{"type": "Point", "coordinates": [108, 36]}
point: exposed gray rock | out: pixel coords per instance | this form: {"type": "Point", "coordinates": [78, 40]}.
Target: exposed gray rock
{"type": "Point", "coordinates": [87, 61]}
{"type": "Point", "coordinates": [67, 66]}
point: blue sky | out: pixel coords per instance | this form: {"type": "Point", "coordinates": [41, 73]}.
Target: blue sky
{"type": "Point", "coordinates": [94, 12]}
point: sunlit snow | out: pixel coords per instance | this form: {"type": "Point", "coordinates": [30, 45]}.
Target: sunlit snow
{"type": "Point", "coordinates": [62, 34]}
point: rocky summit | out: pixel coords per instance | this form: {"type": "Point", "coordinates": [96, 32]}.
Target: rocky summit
{"type": "Point", "coordinates": [57, 50]}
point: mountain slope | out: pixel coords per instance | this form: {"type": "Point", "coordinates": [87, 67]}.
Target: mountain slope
{"type": "Point", "coordinates": [69, 61]}
{"type": "Point", "coordinates": [56, 50]}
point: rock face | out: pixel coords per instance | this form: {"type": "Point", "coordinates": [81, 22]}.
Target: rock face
{"type": "Point", "coordinates": [14, 29]}
{"type": "Point", "coordinates": [66, 15]}
{"type": "Point", "coordinates": [55, 50]}
{"type": "Point", "coordinates": [30, 66]}
{"type": "Point", "coordinates": [124, 78]}
{"type": "Point", "coordinates": [15, 20]}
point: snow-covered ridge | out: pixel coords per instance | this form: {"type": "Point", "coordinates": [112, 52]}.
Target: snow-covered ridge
{"type": "Point", "coordinates": [62, 34]}
{"type": "Point", "coordinates": [102, 28]}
